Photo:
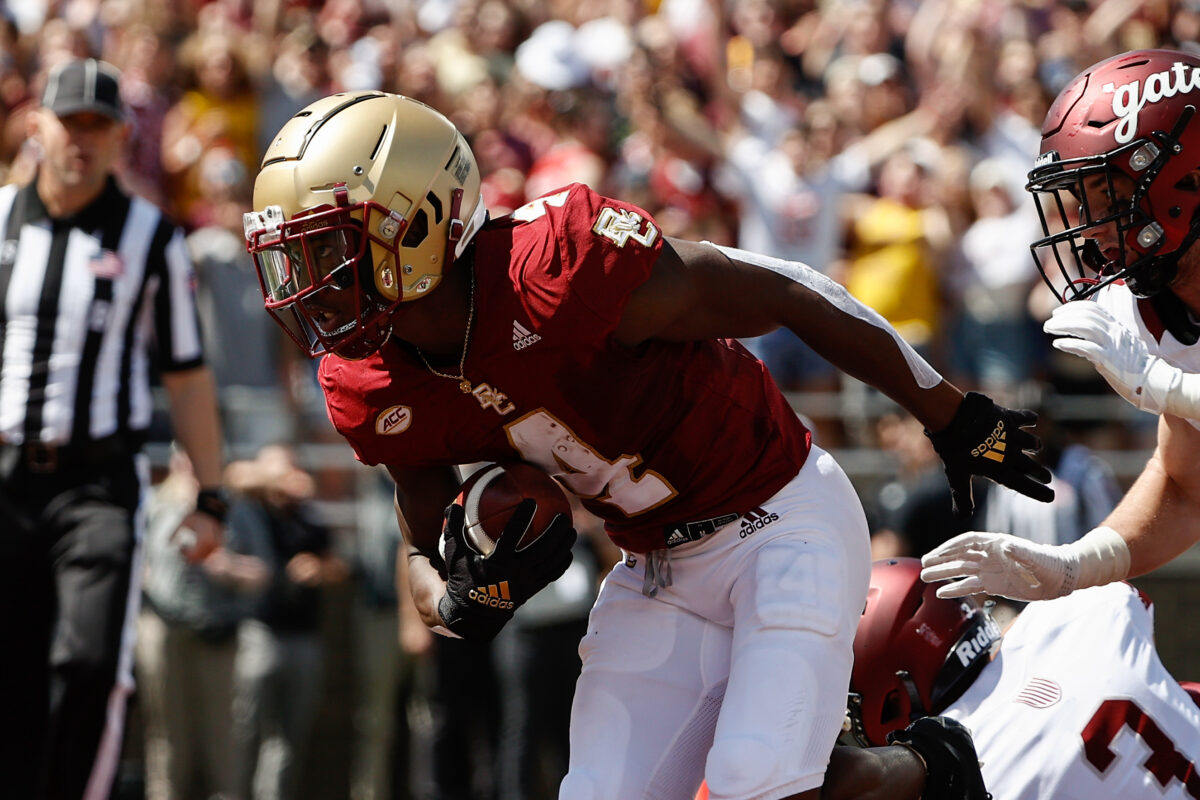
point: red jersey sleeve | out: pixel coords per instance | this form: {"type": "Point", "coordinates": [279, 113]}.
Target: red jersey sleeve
{"type": "Point", "coordinates": [577, 256]}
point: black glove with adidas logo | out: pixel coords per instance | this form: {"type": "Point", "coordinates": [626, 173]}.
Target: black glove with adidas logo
{"type": "Point", "coordinates": [951, 763]}
{"type": "Point", "coordinates": [482, 592]}
{"type": "Point", "coordinates": [986, 439]}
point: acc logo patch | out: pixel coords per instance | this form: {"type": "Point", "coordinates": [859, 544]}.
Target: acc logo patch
{"type": "Point", "coordinates": [393, 420]}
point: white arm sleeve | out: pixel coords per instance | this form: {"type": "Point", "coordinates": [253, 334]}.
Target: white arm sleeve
{"type": "Point", "coordinates": [926, 376]}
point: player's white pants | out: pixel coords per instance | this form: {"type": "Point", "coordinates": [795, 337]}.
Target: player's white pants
{"type": "Point", "coordinates": [738, 671]}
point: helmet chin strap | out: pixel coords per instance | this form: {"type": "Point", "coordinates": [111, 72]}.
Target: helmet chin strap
{"type": "Point", "coordinates": [1153, 276]}
{"type": "Point", "coordinates": [366, 344]}
{"type": "Point", "coordinates": [456, 224]}
{"type": "Point", "coordinates": [914, 697]}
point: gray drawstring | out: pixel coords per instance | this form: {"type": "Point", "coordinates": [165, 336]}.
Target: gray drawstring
{"type": "Point", "coordinates": [658, 571]}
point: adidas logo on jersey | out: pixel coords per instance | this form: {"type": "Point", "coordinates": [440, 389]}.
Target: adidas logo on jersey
{"type": "Point", "coordinates": [677, 537]}
{"type": "Point", "coordinates": [755, 520]}
{"type": "Point", "coordinates": [993, 446]}
{"type": "Point", "coordinates": [493, 596]}
{"type": "Point", "coordinates": [523, 337]}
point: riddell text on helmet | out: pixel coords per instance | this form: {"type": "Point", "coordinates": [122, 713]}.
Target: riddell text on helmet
{"type": "Point", "coordinates": [987, 635]}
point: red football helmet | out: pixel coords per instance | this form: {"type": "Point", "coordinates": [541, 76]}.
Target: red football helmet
{"type": "Point", "coordinates": [914, 653]}
{"type": "Point", "coordinates": [1113, 184]}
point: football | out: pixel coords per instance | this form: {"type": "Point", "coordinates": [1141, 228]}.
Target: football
{"type": "Point", "coordinates": [490, 495]}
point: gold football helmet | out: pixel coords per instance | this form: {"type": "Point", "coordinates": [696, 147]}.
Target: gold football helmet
{"type": "Point", "coordinates": [362, 200]}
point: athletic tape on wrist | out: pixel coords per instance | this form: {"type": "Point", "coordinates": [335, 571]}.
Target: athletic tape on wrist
{"type": "Point", "coordinates": [1183, 398]}
{"type": "Point", "coordinates": [1102, 556]}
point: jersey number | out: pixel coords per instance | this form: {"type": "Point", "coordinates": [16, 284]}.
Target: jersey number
{"type": "Point", "coordinates": [537, 208]}
{"type": "Point", "coordinates": [542, 439]}
{"type": "Point", "coordinates": [1165, 761]}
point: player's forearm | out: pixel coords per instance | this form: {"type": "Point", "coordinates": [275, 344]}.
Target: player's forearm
{"type": "Point", "coordinates": [426, 588]}
{"type": "Point", "coordinates": [418, 513]}
{"type": "Point", "coordinates": [871, 351]}
{"type": "Point", "coordinates": [193, 401]}
{"type": "Point", "coordinates": [853, 337]}
{"type": "Point", "coordinates": [862, 344]}
{"type": "Point", "coordinates": [1156, 518]}
{"type": "Point", "coordinates": [409, 616]}
{"type": "Point", "coordinates": [416, 577]}
{"type": "Point", "coordinates": [876, 773]}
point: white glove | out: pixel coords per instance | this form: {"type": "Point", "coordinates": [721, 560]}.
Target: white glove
{"type": "Point", "coordinates": [1124, 360]}
{"type": "Point", "coordinates": [1009, 566]}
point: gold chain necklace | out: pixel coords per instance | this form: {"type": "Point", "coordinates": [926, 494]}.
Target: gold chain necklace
{"type": "Point", "coordinates": [464, 385]}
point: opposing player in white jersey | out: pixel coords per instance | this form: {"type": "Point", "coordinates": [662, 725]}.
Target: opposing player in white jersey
{"type": "Point", "coordinates": [1118, 187]}
{"type": "Point", "coordinates": [1070, 702]}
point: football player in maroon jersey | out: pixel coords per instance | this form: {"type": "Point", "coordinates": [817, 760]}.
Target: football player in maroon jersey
{"type": "Point", "coordinates": [1118, 186]}
{"type": "Point", "coordinates": [572, 335]}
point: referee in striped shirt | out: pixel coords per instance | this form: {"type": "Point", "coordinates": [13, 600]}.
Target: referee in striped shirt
{"type": "Point", "coordinates": [96, 288]}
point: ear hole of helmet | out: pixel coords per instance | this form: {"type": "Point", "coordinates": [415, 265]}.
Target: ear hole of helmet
{"type": "Point", "coordinates": [1189, 182]}
{"type": "Point", "coordinates": [418, 229]}
{"type": "Point", "coordinates": [891, 711]}
{"type": "Point", "coordinates": [435, 203]}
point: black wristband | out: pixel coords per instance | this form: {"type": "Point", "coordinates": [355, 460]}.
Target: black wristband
{"type": "Point", "coordinates": [214, 503]}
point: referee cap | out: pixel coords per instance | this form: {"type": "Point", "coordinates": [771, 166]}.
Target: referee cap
{"type": "Point", "coordinates": [84, 85]}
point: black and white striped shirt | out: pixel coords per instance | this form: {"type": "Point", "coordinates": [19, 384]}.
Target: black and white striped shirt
{"type": "Point", "coordinates": [86, 303]}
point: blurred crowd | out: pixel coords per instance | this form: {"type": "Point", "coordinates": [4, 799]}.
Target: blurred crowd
{"type": "Point", "coordinates": [883, 143]}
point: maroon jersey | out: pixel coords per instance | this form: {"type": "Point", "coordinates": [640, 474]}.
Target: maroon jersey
{"type": "Point", "coordinates": [651, 438]}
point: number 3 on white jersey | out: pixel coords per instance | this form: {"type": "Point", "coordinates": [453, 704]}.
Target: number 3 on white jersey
{"type": "Point", "coordinates": [543, 440]}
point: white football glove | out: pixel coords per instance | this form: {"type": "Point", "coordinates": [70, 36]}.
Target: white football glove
{"type": "Point", "coordinates": [1124, 360]}
{"type": "Point", "coordinates": [1009, 566]}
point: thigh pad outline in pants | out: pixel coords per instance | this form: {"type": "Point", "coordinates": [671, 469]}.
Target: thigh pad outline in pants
{"type": "Point", "coordinates": [786, 598]}
{"type": "Point", "coordinates": [791, 664]}
{"type": "Point", "coordinates": [797, 597]}
{"type": "Point", "coordinates": [647, 699]}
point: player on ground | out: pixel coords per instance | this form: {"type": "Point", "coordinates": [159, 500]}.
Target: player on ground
{"type": "Point", "coordinates": [1072, 703]}
{"type": "Point", "coordinates": [1118, 185]}
{"type": "Point", "coordinates": [572, 335]}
